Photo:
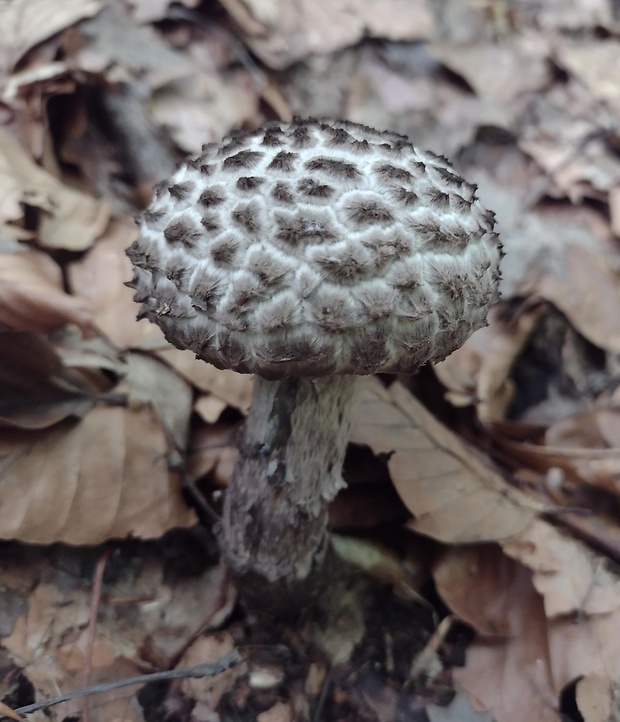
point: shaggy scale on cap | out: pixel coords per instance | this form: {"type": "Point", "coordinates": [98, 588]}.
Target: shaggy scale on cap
{"type": "Point", "coordinates": [316, 247]}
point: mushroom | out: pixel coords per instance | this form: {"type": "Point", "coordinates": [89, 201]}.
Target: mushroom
{"type": "Point", "coordinates": [309, 253]}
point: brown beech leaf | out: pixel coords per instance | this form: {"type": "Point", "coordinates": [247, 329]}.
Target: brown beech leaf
{"type": "Point", "coordinates": [105, 477]}
{"type": "Point", "coordinates": [570, 577]}
{"type": "Point", "coordinates": [32, 297]}
{"type": "Point", "coordinates": [99, 278]}
{"type": "Point", "coordinates": [459, 581]}
{"type": "Point", "coordinates": [453, 495]}
{"type": "Point", "coordinates": [71, 220]}
{"type": "Point", "coordinates": [521, 676]}
{"type": "Point", "coordinates": [36, 389]}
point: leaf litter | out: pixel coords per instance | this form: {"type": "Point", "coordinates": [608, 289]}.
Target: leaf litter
{"type": "Point", "coordinates": [490, 483]}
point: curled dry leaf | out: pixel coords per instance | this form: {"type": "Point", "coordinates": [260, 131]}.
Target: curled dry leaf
{"type": "Point", "coordinates": [499, 73]}
{"type": "Point", "coordinates": [32, 297]}
{"type": "Point", "coordinates": [585, 286]}
{"type": "Point", "coordinates": [36, 389]}
{"type": "Point", "coordinates": [105, 477]}
{"type": "Point", "coordinates": [25, 23]}
{"type": "Point", "coordinates": [593, 63]}
{"type": "Point", "coordinates": [479, 371]}
{"type": "Point", "coordinates": [453, 495]}
{"type": "Point", "coordinates": [70, 220]}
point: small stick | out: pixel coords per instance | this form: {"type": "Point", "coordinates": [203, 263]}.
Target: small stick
{"type": "Point", "coordinates": [210, 669]}
{"type": "Point", "coordinates": [92, 625]}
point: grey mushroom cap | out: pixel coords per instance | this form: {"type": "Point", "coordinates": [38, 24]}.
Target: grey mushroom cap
{"type": "Point", "coordinates": [309, 248]}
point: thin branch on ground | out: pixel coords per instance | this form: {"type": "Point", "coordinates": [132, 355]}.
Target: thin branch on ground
{"type": "Point", "coordinates": [210, 669]}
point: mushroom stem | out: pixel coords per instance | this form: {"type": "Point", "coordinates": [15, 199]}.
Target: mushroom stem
{"type": "Point", "coordinates": [291, 452]}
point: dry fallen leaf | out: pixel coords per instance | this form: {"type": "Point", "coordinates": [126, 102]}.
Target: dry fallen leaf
{"type": "Point", "coordinates": [479, 371]}
{"type": "Point", "coordinates": [499, 73]}
{"type": "Point", "coordinates": [36, 389]}
{"type": "Point", "coordinates": [105, 477]}
{"type": "Point", "coordinates": [282, 33]}
{"type": "Point", "coordinates": [99, 279]}
{"type": "Point", "coordinates": [585, 286]}
{"type": "Point", "coordinates": [25, 23]}
{"type": "Point", "coordinates": [570, 577]}
{"type": "Point", "coordinates": [454, 496]}
{"type": "Point", "coordinates": [595, 698]}
{"type": "Point", "coordinates": [32, 297]}
{"type": "Point", "coordinates": [70, 220]}
{"type": "Point", "coordinates": [146, 616]}
{"type": "Point", "coordinates": [462, 574]}
{"type": "Point", "coordinates": [521, 677]}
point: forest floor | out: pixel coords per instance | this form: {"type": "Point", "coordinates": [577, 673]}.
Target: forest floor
{"type": "Point", "coordinates": [481, 518]}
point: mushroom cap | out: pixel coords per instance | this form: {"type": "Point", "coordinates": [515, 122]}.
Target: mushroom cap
{"type": "Point", "coordinates": [309, 248]}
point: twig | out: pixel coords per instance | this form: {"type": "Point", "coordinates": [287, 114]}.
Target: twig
{"type": "Point", "coordinates": [210, 669]}
{"type": "Point", "coordinates": [92, 625]}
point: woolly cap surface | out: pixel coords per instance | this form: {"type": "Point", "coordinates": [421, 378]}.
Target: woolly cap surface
{"type": "Point", "coordinates": [316, 247]}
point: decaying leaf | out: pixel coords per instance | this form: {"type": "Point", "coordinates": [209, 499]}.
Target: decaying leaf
{"type": "Point", "coordinates": [453, 495]}
{"type": "Point", "coordinates": [379, 562]}
{"type": "Point", "coordinates": [32, 297]}
{"type": "Point", "coordinates": [145, 618]}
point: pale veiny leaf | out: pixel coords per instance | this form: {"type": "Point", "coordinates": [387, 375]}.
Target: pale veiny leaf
{"type": "Point", "coordinates": [72, 220]}
{"type": "Point", "coordinates": [36, 389]}
{"type": "Point", "coordinates": [25, 23]}
{"type": "Point", "coordinates": [106, 477]}
{"type": "Point", "coordinates": [32, 297]}
{"type": "Point", "coordinates": [453, 495]}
